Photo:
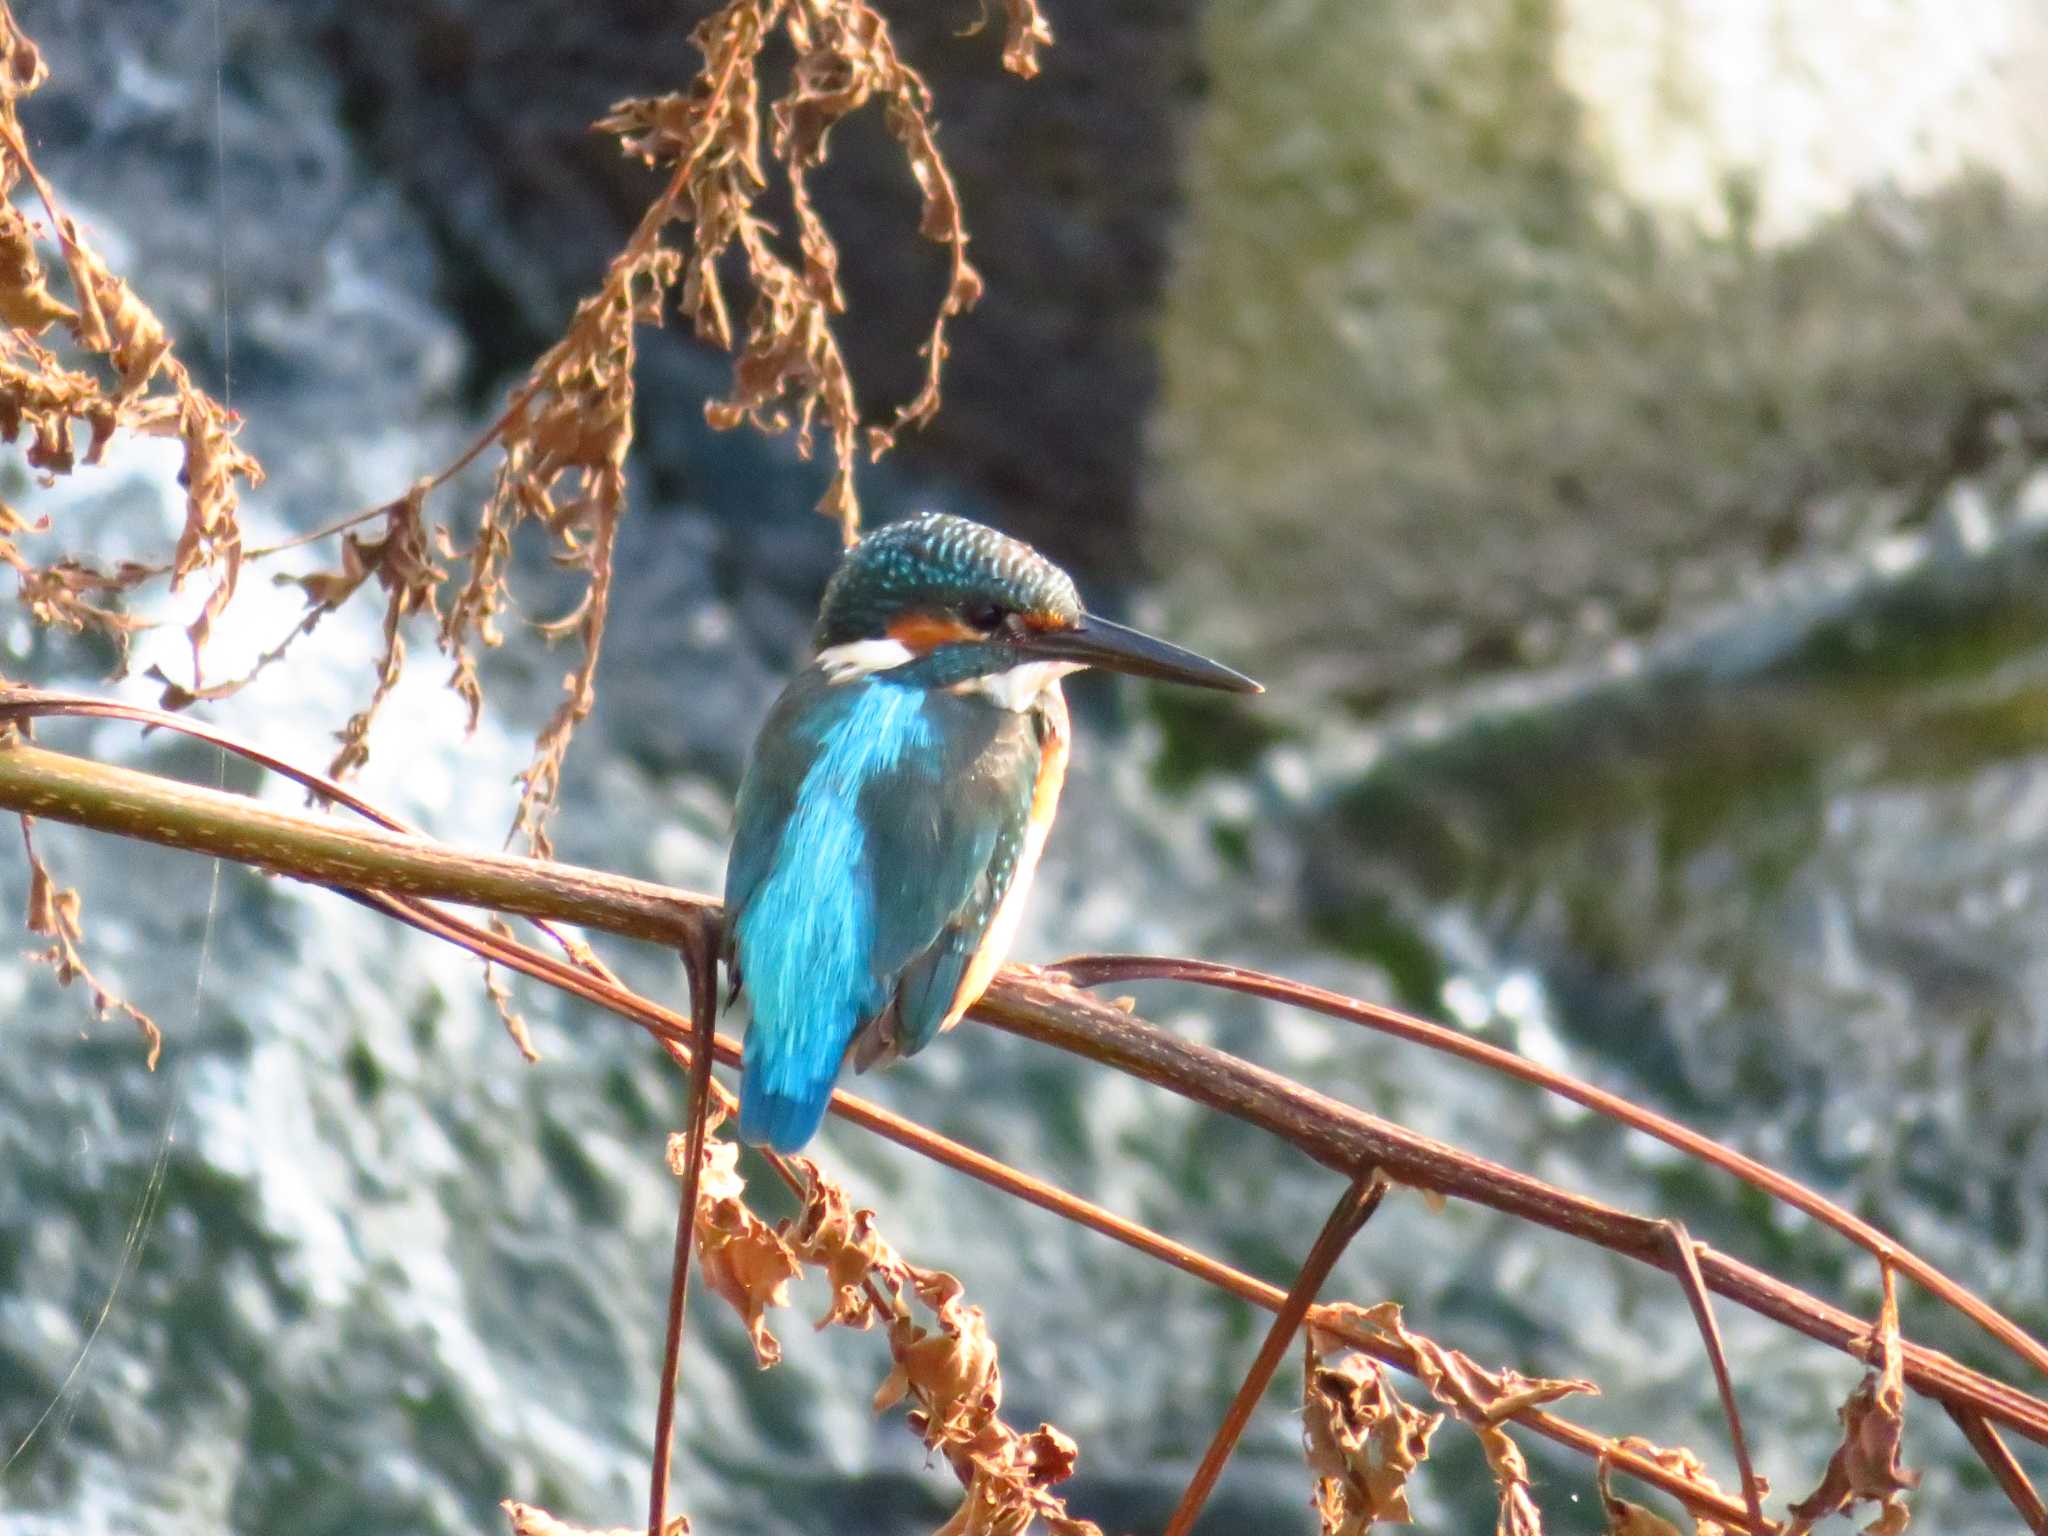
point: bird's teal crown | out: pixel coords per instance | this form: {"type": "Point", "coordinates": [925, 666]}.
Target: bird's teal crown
{"type": "Point", "coordinates": [942, 570]}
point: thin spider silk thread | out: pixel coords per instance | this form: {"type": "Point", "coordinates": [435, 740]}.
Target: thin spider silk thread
{"type": "Point", "coordinates": [152, 1191]}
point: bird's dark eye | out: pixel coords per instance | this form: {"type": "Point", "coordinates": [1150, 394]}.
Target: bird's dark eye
{"type": "Point", "coordinates": [984, 614]}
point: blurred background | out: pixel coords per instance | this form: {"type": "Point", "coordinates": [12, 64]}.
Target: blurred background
{"type": "Point", "coordinates": [1616, 432]}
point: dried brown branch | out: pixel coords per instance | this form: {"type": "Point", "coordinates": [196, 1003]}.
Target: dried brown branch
{"type": "Point", "coordinates": [1023, 1001]}
{"type": "Point", "coordinates": [767, 1269]}
{"type": "Point", "coordinates": [700, 963]}
{"type": "Point", "coordinates": [844, 1244]}
{"type": "Point", "coordinates": [1696, 1492]}
{"type": "Point", "coordinates": [1754, 1489]}
{"type": "Point", "coordinates": [1093, 970]}
{"type": "Point", "coordinates": [1353, 1210]}
{"type": "Point", "coordinates": [1998, 1459]}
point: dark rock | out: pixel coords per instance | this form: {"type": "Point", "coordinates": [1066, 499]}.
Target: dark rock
{"type": "Point", "coordinates": [481, 112]}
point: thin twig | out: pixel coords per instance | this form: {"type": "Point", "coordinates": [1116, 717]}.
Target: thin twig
{"type": "Point", "coordinates": [1352, 1212]}
{"type": "Point", "coordinates": [1695, 1288]}
{"type": "Point", "coordinates": [1997, 1457]}
{"type": "Point", "coordinates": [700, 960]}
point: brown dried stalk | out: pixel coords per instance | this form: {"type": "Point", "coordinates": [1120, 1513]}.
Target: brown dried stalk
{"type": "Point", "coordinates": [761, 1270]}
{"type": "Point", "coordinates": [790, 371]}
{"type": "Point", "coordinates": [1753, 1488]}
{"type": "Point", "coordinates": [1693, 1489]}
{"type": "Point", "coordinates": [564, 437]}
{"type": "Point", "coordinates": [948, 1369]}
{"type": "Point", "coordinates": [1093, 970]}
{"type": "Point", "coordinates": [700, 963]}
{"type": "Point", "coordinates": [127, 380]}
{"type": "Point", "coordinates": [1023, 1001]}
{"type": "Point", "coordinates": [1353, 1210]}
{"type": "Point", "coordinates": [130, 382]}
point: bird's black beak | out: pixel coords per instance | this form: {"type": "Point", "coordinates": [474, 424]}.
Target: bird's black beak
{"type": "Point", "coordinates": [1096, 642]}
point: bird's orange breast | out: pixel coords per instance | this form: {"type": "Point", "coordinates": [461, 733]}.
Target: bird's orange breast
{"type": "Point", "coordinates": [1045, 801]}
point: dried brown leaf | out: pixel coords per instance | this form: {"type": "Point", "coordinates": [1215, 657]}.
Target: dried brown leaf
{"type": "Point", "coordinates": [950, 1369]}
{"type": "Point", "coordinates": [501, 999]}
{"type": "Point", "coordinates": [26, 302]}
{"type": "Point", "coordinates": [864, 1272]}
{"type": "Point", "coordinates": [946, 1368]}
{"type": "Point", "coordinates": [64, 596]}
{"type": "Point", "coordinates": [743, 1259]}
{"type": "Point", "coordinates": [1482, 1399]}
{"type": "Point", "coordinates": [56, 912]}
{"type": "Point", "coordinates": [1626, 1518]}
{"type": "Point", "coordinates": [21, 65]}
{"type": "Point", "coordinates": [144, 390]}
{"type": "Point", "coordinates": [404, 562]}
{"type": "Point", "coordinates": [1028, 31]}
{"type": "Point", "coordinates": [1866, 1465]}
{"type": "Point", "coordinates": [528, 1520]}
{"type": "Point", "coordinates": [1362, 1442]}
{"type": "Point", "coordinates": [114, 320]}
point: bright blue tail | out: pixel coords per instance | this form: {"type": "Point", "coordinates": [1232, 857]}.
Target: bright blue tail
{"type": "Point", "coordinates": [780, 1104]}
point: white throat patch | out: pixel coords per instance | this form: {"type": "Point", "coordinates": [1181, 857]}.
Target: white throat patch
{"type": "Point", "coordinates": [1021, 687]}
{"type": "Point", "coordinates": [863, 658]}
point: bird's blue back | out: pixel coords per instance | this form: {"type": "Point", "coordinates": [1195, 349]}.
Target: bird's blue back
{"type": "Point", "coordinates": [864, 870]}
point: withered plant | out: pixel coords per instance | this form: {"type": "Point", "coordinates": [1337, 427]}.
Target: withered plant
{"type": "Point", "coordinates": [79, 366]}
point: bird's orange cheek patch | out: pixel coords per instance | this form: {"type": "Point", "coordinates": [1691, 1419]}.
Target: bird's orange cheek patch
{"type": "Point", "coordinates": [923, 631]}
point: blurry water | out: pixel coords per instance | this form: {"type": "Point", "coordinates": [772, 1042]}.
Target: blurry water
{"type": "Point", "coordinates": [1768, 863]}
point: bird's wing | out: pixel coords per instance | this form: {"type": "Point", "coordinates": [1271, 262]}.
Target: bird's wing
{"type": "Point", "coordinates": [866, 820]}
{"type": "Point", "coordinates": [983, 849]}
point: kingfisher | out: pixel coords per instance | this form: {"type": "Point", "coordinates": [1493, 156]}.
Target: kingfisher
{"type": "Point", "coordinates": [897, 799]}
